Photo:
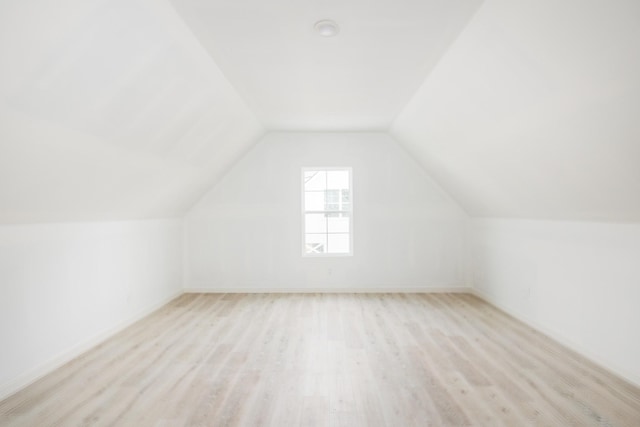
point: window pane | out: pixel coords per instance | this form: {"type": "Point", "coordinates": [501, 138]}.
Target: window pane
{"type": "Point", "coordinates": [346, 200]}
{"type": "Point", "coordinates": [315, 180]}
{"type": "Point", "coordinates": [332, 200]}
{"type": "Point", "coordinates": [338, 243]}
{"type": "Point", "coordinates": [314, 201]}
{"type": "Point", "coordinates": [338, 179]}
{"type": "Point", "coordinates": [315, 243]}
{"type": "Point", "coordinates": [338, 223]}
{"type": "Point", "coordinates": [315, 223]}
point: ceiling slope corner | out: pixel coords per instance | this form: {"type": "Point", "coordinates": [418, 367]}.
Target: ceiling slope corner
{"type": "Point", "coordinates": [191, 21]}
{"type": "Point", "coordinates": [252, 142]}
{"type": "Point", "coordinates": [409, 148]}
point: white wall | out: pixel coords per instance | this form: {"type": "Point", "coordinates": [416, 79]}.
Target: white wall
{"type": "Point", "coordinates": [65, 286]}
{"type": "Point", "coordinates": [246, 232]}
{"type": "Point", "coordinates": [577, 281]}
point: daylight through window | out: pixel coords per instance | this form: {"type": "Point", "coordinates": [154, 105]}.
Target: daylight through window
{"type": "Point", "coordinates": [327, 211]}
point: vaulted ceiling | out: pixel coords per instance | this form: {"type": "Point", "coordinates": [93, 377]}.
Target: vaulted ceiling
{"type": "Point", "coordinates": [534, 112]}
{"type": "Point", "coordinates": [110, 109]}
{"type": "Point", "coordinates": [121, 109]}
{"type": "Point", "coordinates": [296, 80]}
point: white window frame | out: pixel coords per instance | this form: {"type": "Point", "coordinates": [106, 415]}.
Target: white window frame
{"type": "Point", "coordinates": [304, 211]}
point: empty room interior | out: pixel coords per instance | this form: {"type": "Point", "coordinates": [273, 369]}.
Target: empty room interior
{"type": "Point", "coordinates": [334, 213]}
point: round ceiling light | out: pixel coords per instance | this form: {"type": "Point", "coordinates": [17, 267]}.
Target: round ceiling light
{"type": "Point", "coordinates": [327, 28]}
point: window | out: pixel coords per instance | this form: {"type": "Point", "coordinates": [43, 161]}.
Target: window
{"type": "Point", "coordinates": [326, 211]}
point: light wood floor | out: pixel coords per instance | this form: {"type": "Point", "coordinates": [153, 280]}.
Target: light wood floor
{"type": "Point", "coordinates": [327, 360]}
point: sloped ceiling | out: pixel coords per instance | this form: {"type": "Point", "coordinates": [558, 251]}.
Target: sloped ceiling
{"type": "Point", "coordinates": [122, 109]}
{"type": "Point", "coordinates": [110, 110]}
{"type": "Point", "coordinates": [535, 112]}
{"type": "Point", "coordinates": [296, 80]}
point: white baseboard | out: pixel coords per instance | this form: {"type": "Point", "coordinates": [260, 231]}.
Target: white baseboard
{"type": "Point", "coordinates": [325, 290]}
{"type": "Point", "coordinates": [560, 339]}
{"type": "Point", "coordinates": [33, 375]}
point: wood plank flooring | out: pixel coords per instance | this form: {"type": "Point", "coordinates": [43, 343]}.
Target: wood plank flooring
{"type": "Point", "coordinates": [327, 360]}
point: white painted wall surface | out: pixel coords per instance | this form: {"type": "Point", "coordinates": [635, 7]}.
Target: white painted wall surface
{"type": "Point", "coordinates": [246, 232]}
{"type": "Point", "coordinates": [63, 287]}
{"type": "Point", "coordinates": [577, 281]}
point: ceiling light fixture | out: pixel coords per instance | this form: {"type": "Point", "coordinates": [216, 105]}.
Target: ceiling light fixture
{"type": "Point", "coordinates": [327, 28]}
